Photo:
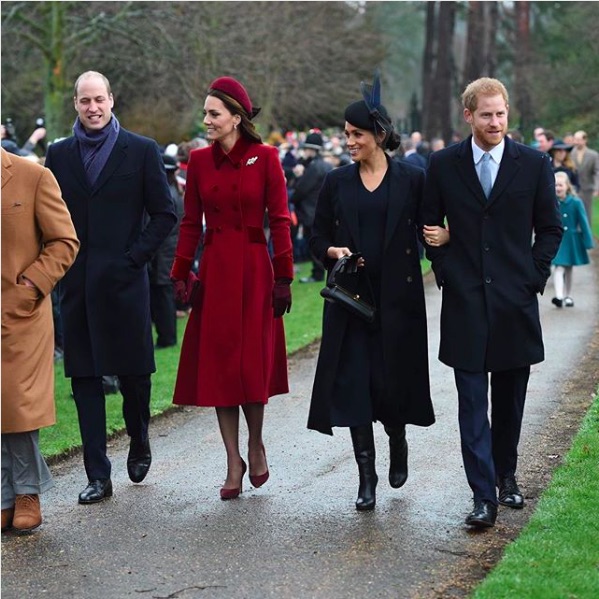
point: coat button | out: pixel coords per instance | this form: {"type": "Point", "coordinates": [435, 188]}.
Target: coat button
{"type": "Point", "coordinates": [235, 208]}
{"type": "Point", "coordinates": [409, 279]}
{"type": "Point", "coordinates": [216, 209]}
{"type": "Point", "coordinates": [486, 247]}
{"type": "Point", "coordinates": [219, 229]}
{"type": "Point", "coordinates": [238, 227]}
{"type": "Point", "coordinates": [215, 188]}
{"type": "Point", "coordinates": [408, 251]}
{"type": "Point", "coordinates": [234, 187]}
{"type": "Point", "coordinates": [337, 222]}
{"type": "Point", "coordinates": [409, 221]}
{"type": "Point", "coordinates": [488, 280]}
{"type": "Point", "coordinates": [565, 228]}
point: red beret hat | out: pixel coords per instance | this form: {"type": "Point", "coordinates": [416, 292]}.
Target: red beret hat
{"type": "Point", "coordinates": [233, 88]}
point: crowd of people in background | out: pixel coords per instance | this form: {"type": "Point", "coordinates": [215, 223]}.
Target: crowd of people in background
{"type": "Point", "coordinates": [306, 157]}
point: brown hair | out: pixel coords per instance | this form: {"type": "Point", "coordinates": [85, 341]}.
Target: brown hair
{"type": "Point", "coordinates": [234, 107]}
{"type": "Point", "coordinates": [485, 86]}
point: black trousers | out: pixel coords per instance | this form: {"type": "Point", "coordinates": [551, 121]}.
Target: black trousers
{"type": "Point", "coordinates": [490, 450]}
{"type": "Point", "coordinates": [91, 411]}
{"type": "Point", "coordinates": [317, 267]}
{"type": "Point", "coordinates": [163, 309]}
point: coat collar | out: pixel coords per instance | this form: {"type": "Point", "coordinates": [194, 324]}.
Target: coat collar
{"type": "Point", "coordinates": [508, 168]}
{"type": "Point", "coordinates": [234, 157]}
{"type": "Point", "coordinates": [6, 167]}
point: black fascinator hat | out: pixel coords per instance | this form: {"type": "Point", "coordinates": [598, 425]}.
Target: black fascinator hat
{"type": "Point", "coordinates": [371, 115]}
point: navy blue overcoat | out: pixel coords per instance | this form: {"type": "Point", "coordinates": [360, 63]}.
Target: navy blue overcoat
{"type": "Point", "coordinates": [104, 297]}
{"type": "Point", "coordinates": [498, 258]}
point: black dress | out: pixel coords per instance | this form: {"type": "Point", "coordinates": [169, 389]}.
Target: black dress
{"type": "Point", "coordinates": [360, 381]}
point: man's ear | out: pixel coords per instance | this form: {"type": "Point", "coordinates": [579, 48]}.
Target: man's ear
{"type": "Point", "coordinates": [468, 116]}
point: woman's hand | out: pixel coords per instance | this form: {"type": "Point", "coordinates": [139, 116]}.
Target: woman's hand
{"type": "Point", "coordinates": [337, 253]}
{"type": "Point", "coordinates": [435, 236]}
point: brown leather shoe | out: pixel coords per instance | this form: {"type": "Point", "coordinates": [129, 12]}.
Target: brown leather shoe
{"type": "Point", "coordinates": [28, 514]}
{"type": "Point", "coordinates": [7, 515]}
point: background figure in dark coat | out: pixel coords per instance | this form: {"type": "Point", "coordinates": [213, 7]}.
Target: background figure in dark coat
{"type": "Point", "coordinates": [379, 371]}
{"type": "Point", "coordinates": [490, 273]}
{"type": "Point", "coordinates": [114, 185]}
{"type": "Point", "coordinates": [163, 306]}
{"type": "Point", "coordinates": [305, 196]}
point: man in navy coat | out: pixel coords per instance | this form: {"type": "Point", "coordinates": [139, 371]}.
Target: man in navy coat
{"type": "Point", "coordinates": [497, 198]}
{"type": "Point", "coordinates": [115, 187]}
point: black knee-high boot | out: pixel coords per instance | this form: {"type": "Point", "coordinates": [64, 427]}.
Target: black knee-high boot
{"type": "Point", "coordinates": [398, 456]}
{"type": "Point", "coordinates": [363, 442]}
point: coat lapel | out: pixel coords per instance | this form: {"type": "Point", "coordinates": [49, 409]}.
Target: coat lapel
{"type": "Point", "coordinates": [6, 164]}
{"type": "Point", "coordinates": [348, 195]}
{"type": "Point", "coordinates": [116, 158]}
{"type": "Point", "coordinates": [77, 163]}
{"type": "Point", "coordinates": [464, 163]}
{"type": "Point", "coordinates": [507, 169]}
{"type": "Point", "coordinates": [398, 189]}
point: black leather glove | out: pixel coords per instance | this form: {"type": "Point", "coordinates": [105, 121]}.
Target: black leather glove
{"type": "Point", "coordinates": [281, 297]}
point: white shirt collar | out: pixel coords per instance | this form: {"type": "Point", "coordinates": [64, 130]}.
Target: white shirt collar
{"type": "Point", "coordinates": [496, 152]}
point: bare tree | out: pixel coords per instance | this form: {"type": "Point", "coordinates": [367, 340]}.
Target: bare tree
{"type": "Point", "coordinates": [428, 62]}
{"type": "Point", "coordinates": [522, 64]}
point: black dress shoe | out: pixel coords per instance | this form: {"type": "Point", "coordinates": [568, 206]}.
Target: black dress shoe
{"type": "Point", "coordinates": [96, 491]}
{"type": "Point", "coordinates": [509, 493]}
{"type": "Point", "coordinates": [483, 515]}
{"type": "Point", "coordinates": [139, 459]}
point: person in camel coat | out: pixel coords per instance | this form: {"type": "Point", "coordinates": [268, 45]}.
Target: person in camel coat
{"type": "Point", "coordinates": [39, 244]}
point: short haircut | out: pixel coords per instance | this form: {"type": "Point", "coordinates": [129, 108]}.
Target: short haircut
{"type": "Point", "coordinates": [87, 75]}
{"type": "Point", "coordinates": [485, 86]}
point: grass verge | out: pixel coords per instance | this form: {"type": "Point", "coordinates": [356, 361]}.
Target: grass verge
{"type": "Point", "coordinates": [557, 554]}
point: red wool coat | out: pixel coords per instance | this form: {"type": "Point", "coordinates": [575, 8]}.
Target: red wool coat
{"type": "Point", "coordinates": [233, 350]}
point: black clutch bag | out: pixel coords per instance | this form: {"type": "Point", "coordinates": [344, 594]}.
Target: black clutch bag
{"type": "Point", "coordinates": [338, 294]}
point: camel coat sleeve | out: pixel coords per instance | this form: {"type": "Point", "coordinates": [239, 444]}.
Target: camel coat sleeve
{"type": "Point", "coordinates": [39, 243]}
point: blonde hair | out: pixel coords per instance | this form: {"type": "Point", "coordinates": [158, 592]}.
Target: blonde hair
{"type": "Point", "coordinates": [570, 191]}
{"type": "Point", "coordinates": [485, 86]}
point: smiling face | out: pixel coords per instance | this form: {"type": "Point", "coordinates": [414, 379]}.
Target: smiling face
{"type": "Point", "coordinates": [93, 103]}
{"type": "Point", "coordinates": [562, 185]}
{"type": "Point", "coordinates": [361, 143]}
{"type": "Point", "coordinates": [489, 121]}
{"type": "Point", "coordinates": [220, 122]}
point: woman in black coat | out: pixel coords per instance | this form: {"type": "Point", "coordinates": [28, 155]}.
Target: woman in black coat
{"type": "Point", "coordinates": [376, 371]}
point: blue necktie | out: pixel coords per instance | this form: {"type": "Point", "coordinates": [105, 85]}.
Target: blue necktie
{"type": "Point", "coordinates": [485, 174]}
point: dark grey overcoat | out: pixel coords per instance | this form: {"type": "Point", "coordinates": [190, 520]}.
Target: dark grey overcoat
{"type": "Point", "coordinates": [104, 297]}
{"type": "Point", "coordinates": [402, 309]}
{"type": "Point", "coordinates": [498, 258]}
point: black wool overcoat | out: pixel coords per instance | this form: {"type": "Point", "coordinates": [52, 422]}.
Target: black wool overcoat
{"type": "Point", "coordinates": [402, 308]}
{"type": "Point", "coordinates": [121, 221]}
{"type": "Point", "coordinates": [498, 258]}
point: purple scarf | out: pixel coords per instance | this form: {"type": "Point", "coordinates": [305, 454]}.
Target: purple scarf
{"type": "Point", "coordinates": [95, 146]}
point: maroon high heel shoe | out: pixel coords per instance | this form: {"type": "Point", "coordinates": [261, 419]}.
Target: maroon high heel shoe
{"type": "Point", "coordinates": [236, 492]}
{"type": "Point", "coordinates": [259, 479]}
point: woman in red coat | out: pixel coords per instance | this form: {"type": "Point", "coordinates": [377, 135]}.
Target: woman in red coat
{"type": "Point", "coordinates": [233, 351]}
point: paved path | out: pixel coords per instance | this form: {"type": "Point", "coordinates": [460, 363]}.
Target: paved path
{"type": "Point", "coordinates": [299, 535]}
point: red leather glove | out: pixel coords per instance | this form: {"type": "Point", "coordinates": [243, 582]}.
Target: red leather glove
{"type": "Point", "coordinates": [281, 297]}
{"type": "Point", "coordinates": [180, 291]}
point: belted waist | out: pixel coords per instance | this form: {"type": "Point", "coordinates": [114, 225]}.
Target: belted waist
{"type": "Point", "coordinates": [253, 234]}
